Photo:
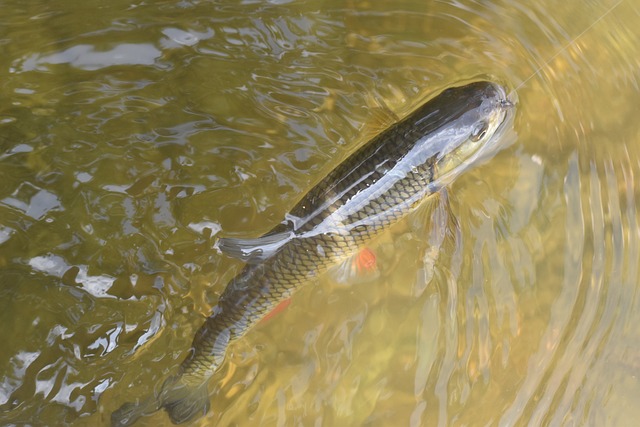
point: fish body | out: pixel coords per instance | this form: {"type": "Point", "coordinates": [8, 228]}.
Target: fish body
{"type": "Point", "coordinates": [373, 188]}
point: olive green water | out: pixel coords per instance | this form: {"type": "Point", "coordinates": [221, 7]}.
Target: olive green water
{"type": "Point", "coordinates": [133, 134]}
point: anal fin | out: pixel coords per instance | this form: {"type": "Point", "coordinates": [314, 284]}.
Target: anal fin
{"type": "Point", "coordinates": [279, 308]}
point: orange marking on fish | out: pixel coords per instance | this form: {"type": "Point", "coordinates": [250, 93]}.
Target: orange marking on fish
{"type": "Point", "coordinates": [365, 261]}
{"type": "Point", "coordinates": [280, 307]}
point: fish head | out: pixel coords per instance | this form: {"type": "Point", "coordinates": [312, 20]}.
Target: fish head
{"type": "Point", "coordinates": [474, 117]}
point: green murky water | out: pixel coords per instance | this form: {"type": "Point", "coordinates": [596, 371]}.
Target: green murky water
{"type": "Point", "coordinates": [133, 134]}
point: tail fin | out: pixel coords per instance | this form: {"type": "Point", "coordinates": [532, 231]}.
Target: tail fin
{"type": "Point", "coordinates": [184, 402]}
{"type": "Point", "coordinates": [130, 412]}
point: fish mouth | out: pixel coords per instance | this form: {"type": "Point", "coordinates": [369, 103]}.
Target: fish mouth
{"type": "Point", "coordinates": [506, 104]}
{"type": "Point", "coordinates": [508, 101]}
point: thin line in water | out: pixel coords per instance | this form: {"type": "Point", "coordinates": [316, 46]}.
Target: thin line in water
{"type": "Point", "coordinates": [566, 46]}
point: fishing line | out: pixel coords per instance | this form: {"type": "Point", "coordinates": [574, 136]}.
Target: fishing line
{"type": "Point", "coordinates": [569, 44]}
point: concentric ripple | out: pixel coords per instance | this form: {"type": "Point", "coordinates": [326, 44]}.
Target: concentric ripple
{"type": "Point", "coordinates": [133, 134]}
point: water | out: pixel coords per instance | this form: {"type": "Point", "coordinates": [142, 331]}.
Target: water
{"type": "Point", "coordinates": [133, 134]}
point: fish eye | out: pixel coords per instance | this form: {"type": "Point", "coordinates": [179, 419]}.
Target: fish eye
{"type": "Point", "coordinates": [479, 132]}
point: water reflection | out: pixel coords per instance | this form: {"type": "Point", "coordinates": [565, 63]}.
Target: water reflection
{"type": "Point", "coordinates": [86, 57]}
{"type": "Point", "coordinates": [134, 135]}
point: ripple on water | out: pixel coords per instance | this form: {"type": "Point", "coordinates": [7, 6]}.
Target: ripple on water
{"type": "Point", "coordinates": [570, 377]}
{"type": "Point", "coordinates": [135, 134]}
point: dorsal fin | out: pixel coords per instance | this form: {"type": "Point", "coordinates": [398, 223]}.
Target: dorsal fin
{"type": "Point", "coordinates": [254, 250]}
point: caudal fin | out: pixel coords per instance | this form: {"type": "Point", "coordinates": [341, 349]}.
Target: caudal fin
{"type": "Point", "coordinates": [183, 402]}
{"type": "Point", "coordinates": [130, 412]}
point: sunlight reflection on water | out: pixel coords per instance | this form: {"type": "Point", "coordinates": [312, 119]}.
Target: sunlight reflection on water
{"type": "Point", "coordinates": [133, 136]}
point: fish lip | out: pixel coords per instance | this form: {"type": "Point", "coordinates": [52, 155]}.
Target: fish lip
{"type": "Point", "coordinates": [506, 104]}
{"type": "Point", "coordinates": [507, 99]}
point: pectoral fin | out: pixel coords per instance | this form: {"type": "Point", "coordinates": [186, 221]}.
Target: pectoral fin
{"type": "Point", "coordinates": [254, 250]}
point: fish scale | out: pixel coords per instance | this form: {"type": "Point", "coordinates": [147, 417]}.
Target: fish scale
{"type": "Point", "coordinates": [376, 186]}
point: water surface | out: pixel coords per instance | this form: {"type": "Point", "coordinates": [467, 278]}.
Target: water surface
{"type": "Point", "coordinates": [132, 135]}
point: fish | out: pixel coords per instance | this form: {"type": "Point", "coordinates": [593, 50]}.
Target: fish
{"type": "Point", "coordinates": [376, 186]}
